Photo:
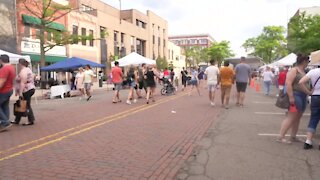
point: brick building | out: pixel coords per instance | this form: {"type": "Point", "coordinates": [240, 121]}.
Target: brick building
{"type": "Point", "coordinates": [202, 40]}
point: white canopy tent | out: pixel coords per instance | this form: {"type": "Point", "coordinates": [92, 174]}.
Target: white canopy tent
{"type": "Point", "coordinates": [315, 58]}
{"type": "Point", "coordinates": [14, 58]}
{"type": "Point", "coordinates": [289, 60]}
{"type": "Point", "coordinates": [134, 59]}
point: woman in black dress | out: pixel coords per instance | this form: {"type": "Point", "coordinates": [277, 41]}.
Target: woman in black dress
{"type": "Point", "coordinates": [151, 83]}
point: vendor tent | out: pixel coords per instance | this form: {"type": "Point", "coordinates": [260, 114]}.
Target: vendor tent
{"type": "Point", "coordinates": [315, 58]}
{"type": "Point", "coordinates": [14, 58]}
{"type": "Point", "coordinates": [134, 59]}
{"type": "Point", "coordinates": [289, 60]}
{"type": "Point", "coordinates": [70, 64]}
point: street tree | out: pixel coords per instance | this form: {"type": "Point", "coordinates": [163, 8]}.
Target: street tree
{"type": "Point", "coordinates": [269, 45]}
{"type": "Point", "coordinates": [161, 62]}
{"type": "Point", "coordinates": [303, 33]}
{"type": "Point", "coordinates": [220, 50]}
{"type": "Point", "coordinates": [193, 55]}
{"type": "Point", "coordinates": [47, 12]}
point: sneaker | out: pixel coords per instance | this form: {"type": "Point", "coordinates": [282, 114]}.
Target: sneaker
{"type": "Point", "coordinates": [3, 128]}
{"type": "Point", "coordinates": [212, 104]}
{"type": "Point", "coordinates": [135, 101]}
{"type": "Point", "coordinates": [128, 102]}
{"type": "Point", "coordinates": [89, 98]}
{"type": "Point", "coordinates": [307, 146]}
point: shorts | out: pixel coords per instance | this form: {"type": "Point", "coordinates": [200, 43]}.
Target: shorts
{"type": "Point", "coordinates": [300, 100]}
{"type": "Point", "coordinates": [226, 90]}
{"type": "Point", "coordinates": [315, 114]}
{"type": "Point", "coordinates": [142, 84]}
{"type": "Point", "coordinates": [117, 86]}
{"type": "Point", "coordinates": [132, 84]}
{"type": "Point", "coordinates": [87, 86]}
{"type": "Point", "coordinates": [241, 86]}
{"type": "Point", "coordinates": [194, 82]}
{"type": "Point", "coordinates": [212, 87]}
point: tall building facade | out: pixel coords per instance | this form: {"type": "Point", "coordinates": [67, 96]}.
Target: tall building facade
{"type": "Point", "coordinates": [176, 59]}
{"type": "Point", "coordinates": [202, 40]}
{"type": "Point", "coordinates": [121, 31]}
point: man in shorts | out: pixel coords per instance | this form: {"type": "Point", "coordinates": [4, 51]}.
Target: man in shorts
{"type": "Point", "coordinates": [87, 80]}
{"type": "Point", "coordinates": [226, 80]}
{"type": "Point", "coordinates": [117, 81]}
{"type": "Point", "coordinates": [212, 73]}
{"type": "Point", "coordinates": [242, 78]}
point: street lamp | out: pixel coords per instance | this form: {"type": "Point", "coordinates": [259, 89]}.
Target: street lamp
{"type": "Point", "coordinates": [120, 11]}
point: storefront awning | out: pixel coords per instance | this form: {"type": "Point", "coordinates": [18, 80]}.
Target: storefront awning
{"type": "Point", "coordinates": [36, 21]}
{"type": "Point", "coordinates": [49, 59]}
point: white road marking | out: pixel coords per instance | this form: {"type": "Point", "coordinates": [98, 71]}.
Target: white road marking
{"type": "Point", "coordinates": [279, 135]}
{"type": "Point", "coordinates": [276, 113]}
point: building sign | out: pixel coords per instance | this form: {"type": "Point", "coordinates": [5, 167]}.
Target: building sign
{"type": "Point", "coordinates": [33, 46]}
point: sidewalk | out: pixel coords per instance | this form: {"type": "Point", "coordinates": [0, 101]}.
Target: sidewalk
{"type": "Point", "coordinates": [241, 145]}
{"type": "Point", "coordinates": [40, 93]}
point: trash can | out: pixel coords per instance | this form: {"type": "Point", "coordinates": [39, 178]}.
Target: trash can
{"type": "Point", "coordinates": [100, 76]}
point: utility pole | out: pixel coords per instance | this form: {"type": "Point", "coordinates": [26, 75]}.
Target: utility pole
{"type": "Point", "coordinates": [120, 11]}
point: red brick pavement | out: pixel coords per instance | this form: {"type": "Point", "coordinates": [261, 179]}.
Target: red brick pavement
{"type": "Point", "coordinates": [147, 144]}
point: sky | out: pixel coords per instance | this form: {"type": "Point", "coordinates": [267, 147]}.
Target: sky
{"type": "Point", "coordinates": [231, 20]}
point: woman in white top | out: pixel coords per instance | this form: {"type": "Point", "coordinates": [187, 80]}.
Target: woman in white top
{"type": "Point", "coordinates": [79, 81]}
{"type": "Point", "coordinates": [25, 89]}
{"type": "Point", "coordinates": [313, 76]}
{"type": "Point", "coordinates": [267, 79]}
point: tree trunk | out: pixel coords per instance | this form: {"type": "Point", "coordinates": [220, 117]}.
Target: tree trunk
{"type": "Point", "coordinates": [42, 58]}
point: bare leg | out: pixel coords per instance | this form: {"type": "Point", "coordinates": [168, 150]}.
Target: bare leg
{"type": "Point", "coordinates": [210, 96]}
{"type": "Point", "coordinates": [148, 94]}
{"type": "Point", "coordinates": [198, 90]}
{"type": "Point", "coordinates": [242, 96]}
{"type": "Point", "coordinates": [295, 125]}
{"type": "Point", "coordinates": [287, 123]}
{"type": "Point", "coordinates": [238, 98]}
{"type": "Point", "coordinates": [223, 94]}
{"type": "Point", "coordinates": [227, 97]}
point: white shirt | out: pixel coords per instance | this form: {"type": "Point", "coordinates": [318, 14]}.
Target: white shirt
{"type": "Point", "coordinates": [314, 74]}
{"type": "Point", "coordinates": [268, 76]}
{"type": "Point", "coordinates": [212, 73]}
{"type": "Point", "coordinates": [88, 74]}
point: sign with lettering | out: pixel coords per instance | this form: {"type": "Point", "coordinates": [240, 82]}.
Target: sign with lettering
{"type": "Point", "coordinates": [33, 46]}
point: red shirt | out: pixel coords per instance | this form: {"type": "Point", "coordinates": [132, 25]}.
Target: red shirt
{"type": "Point", "coordinates": [7, 72]}
{"type": "Point", "coordinates": [116, 75]}
{"type": "Point", "coordinates": [282, 78]}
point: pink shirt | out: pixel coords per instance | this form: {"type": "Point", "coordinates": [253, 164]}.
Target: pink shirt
{"type": "Point", "coordinates": [25, 80]}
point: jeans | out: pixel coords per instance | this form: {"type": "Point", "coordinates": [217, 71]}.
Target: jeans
{"type": "Point", "coordinates": [300, 100]}
{"type": "Point", "coordinates": [315, 114]}
{"type": "Point", "coordinates": [4, 108]}
{"type": "Point", "coordinates": [27, 96]}
{"type": "Point", "coordinates": [266, 85]}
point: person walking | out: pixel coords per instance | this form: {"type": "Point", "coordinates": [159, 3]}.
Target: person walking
{"type": "Point", "coordinates": [313, 76]}
{"type": "Point", "coordinates": [88, 81]}
{"type": "Point", "coordinates": [131, 78]}
{"type": "Point", "coordinates": [184, 78]}
{"type": "Point", "coordinates": [242, 78]}
{"type": "Point", "coordinates": [282, 78]}
{"type": "Point", "coordinates": [267, 80]}
{"type": "Point", "coordinates": [79, 82]}
{"type": "Point", "coordinates": [171, 76]}
{"type": "Point", "coordinates": [150, 82]}
{"type": "Point", "coordinates": [212, 73]}
{"type": "Point", "coordinates": [194, 81]}
{"type": "Point", "coordinates": [226, 80]}
{"type": "Point", "coordinates": [25, 88]}
{"type": "Point", "coordinates": [297, 98]}
{"type": "Point", "coordinates": [117, 76]}
{"type": "Point", "coordinates": [7, 74]}
{"type": "Point", "coordinates": [141, 80]}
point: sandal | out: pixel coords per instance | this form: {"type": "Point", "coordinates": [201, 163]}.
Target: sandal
{"type": "Point", "coordinates": [283, 140]}
{"type": "Point", "coordinates": [27, 124]}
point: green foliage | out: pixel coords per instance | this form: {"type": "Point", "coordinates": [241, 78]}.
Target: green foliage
{"type": "Point", "coordinates": [220, 50]}
{"type": "Point", "coordinates": [193, 55]}
{"type": "Point", "coordinates": [269, 45]}
{"type": "Point", "coordinates": [303, 33]}
{"type": "Point", "coordinates": [161, 62]}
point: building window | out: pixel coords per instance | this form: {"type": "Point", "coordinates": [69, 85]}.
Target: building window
{"type": "Point", "coordinates": [153, 28]}
{"type": "Point", "coordinates": [37, 33]}
{"type": "Point", "coordinates": [141, 24]}
{"type": "Point", "coordinates": [153, 39]}
{"type": "Point", "coordinates": [192, 41]}
{"type": "Point", "coordinates": [203, 41]}
{"type": "Point", "coordinates": [91, 37]}
{"type": "Point", "coordinates": [115, 36]}
{"type": "Point", "coordinates": [122, 38]}
{"type": "Point", "coordinates": [84, 8]}
{"type": "Point", "coordinates": [49, 36]}
{"type": "Point", "coordinates": [27, 31]}
{"type": "Point", "coordinates": [164, 32]}
{"type": "Point", "coordinates": [102, 32]}
{"type": "Point", "coordinates": [75, 33]}
{"type": "Point", "coordinates": [158, 30]}
{"type": "Point", "coordinates": [83, 33]}
{"type": "Point", "coordinates": [132, 41]}
{"type": "Point", "coordinates": [159, 41]}
{"type": "Point", "coordinates": [172, 55]}
{"type": "Point", "coordinates": [164, 43]}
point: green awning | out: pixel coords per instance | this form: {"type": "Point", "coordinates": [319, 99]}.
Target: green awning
{"type": "Point", "coordinates": [49, 59]}
{"type": "Point", "coordinates": [36, 21]}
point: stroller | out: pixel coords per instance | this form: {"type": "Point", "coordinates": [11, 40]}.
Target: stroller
{"type": "Point", "coordinates": [167, 88]}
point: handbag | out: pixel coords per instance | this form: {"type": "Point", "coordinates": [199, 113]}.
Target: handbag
{"type": "Point", "coordinates": [20, 108]}
{"type": "Point", "coordinates": [283, 100]}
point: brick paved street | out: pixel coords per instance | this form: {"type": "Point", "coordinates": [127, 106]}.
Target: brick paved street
{"type": "Point", "coordinates": [75, 139]}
